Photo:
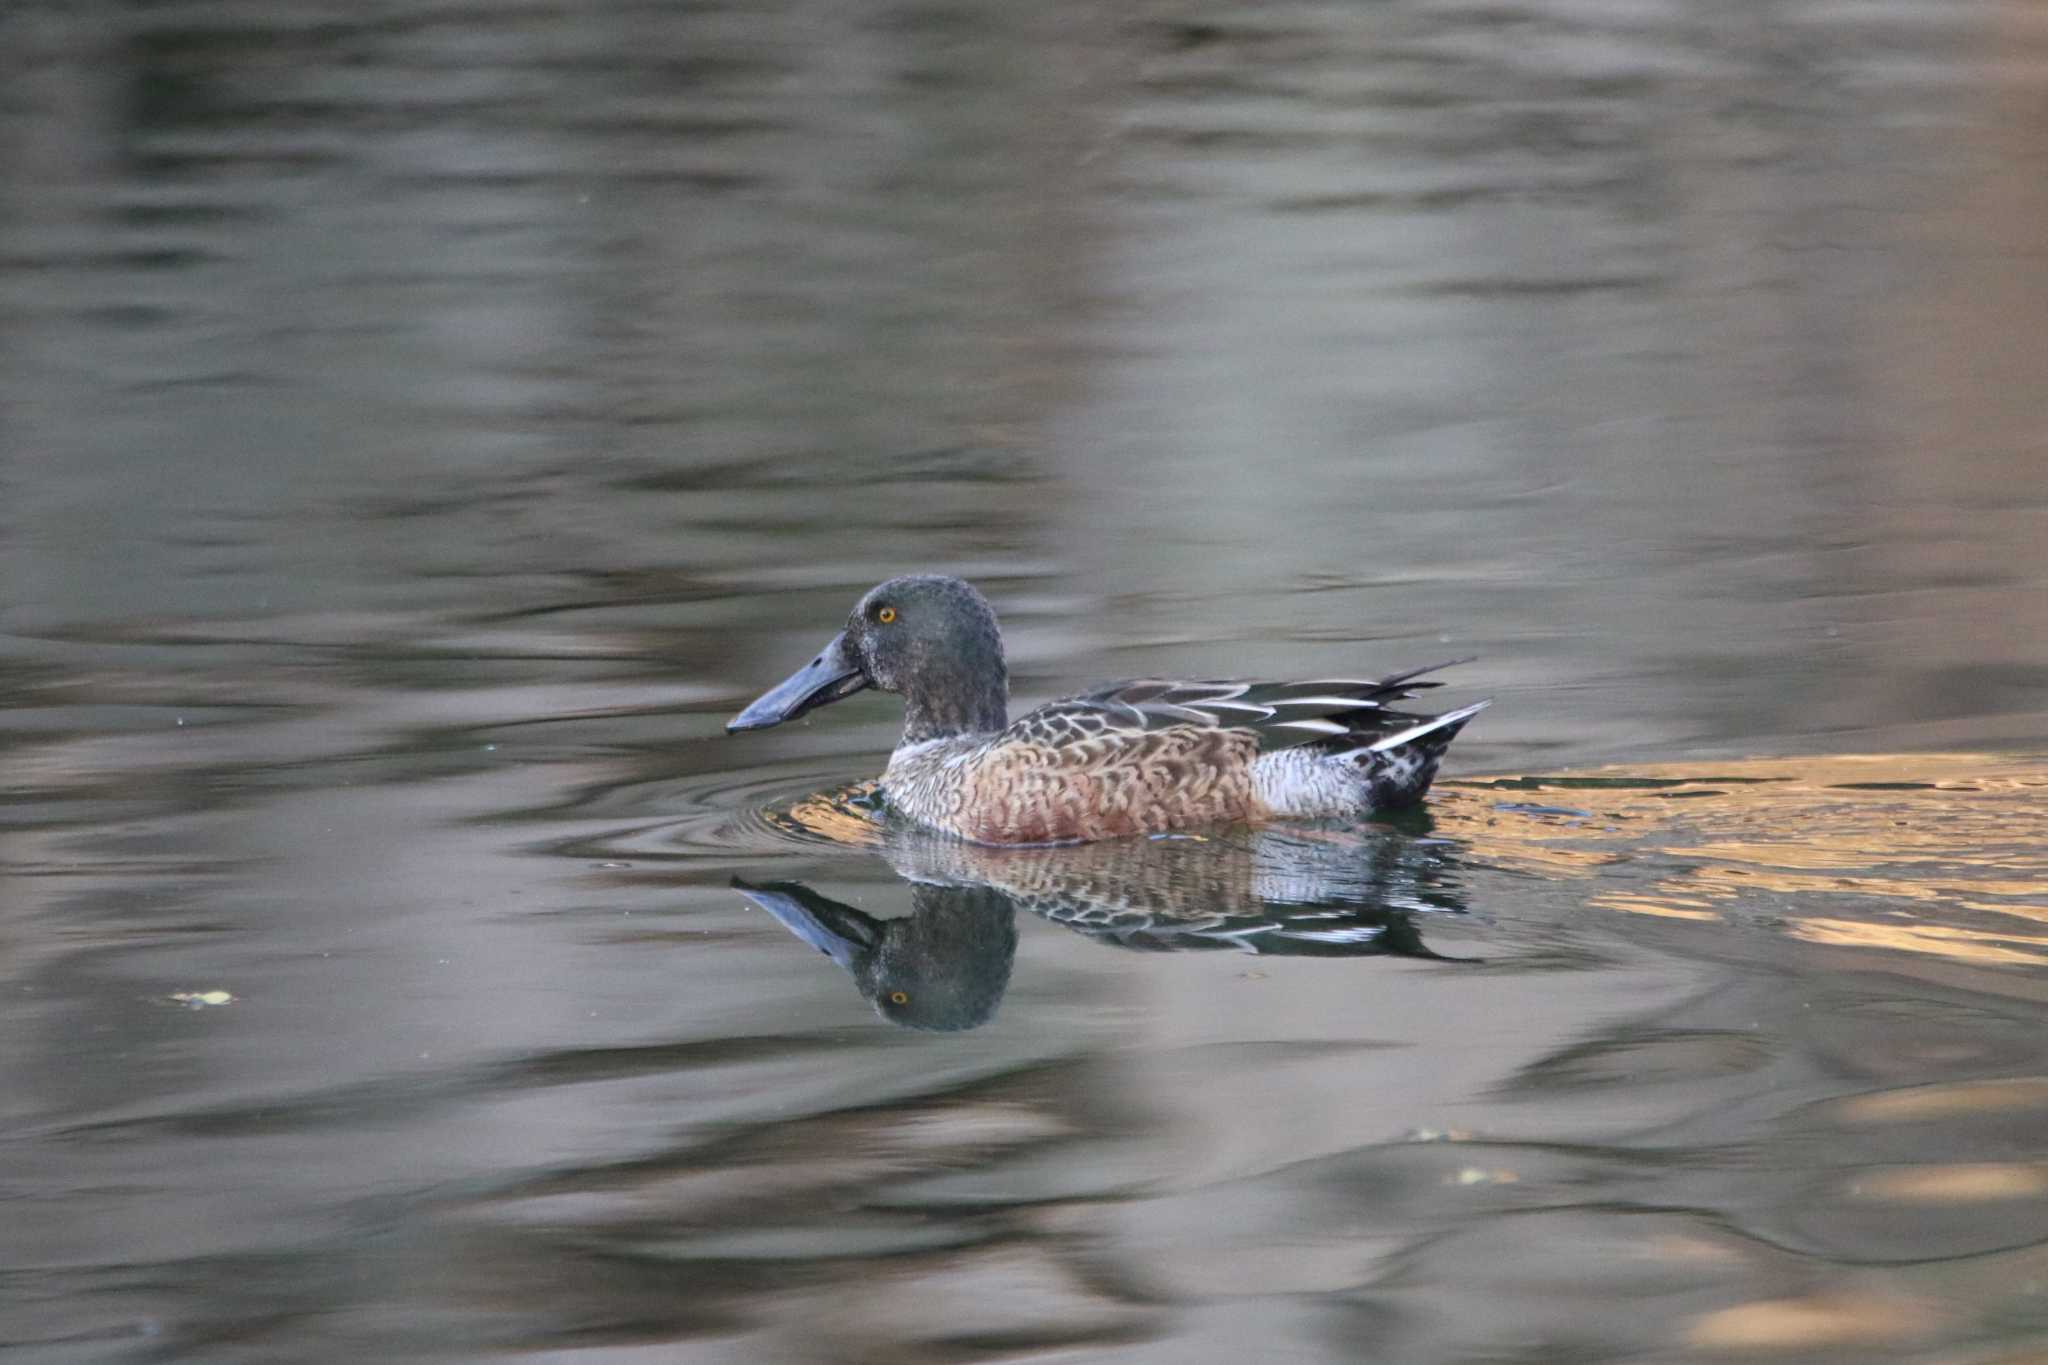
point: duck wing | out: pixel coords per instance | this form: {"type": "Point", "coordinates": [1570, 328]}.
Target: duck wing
{"type": "Point", "coordinates": [1279, 714]}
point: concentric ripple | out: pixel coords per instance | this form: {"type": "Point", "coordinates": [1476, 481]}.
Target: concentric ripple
{"type": "Point", "coordinates": [749, 814]}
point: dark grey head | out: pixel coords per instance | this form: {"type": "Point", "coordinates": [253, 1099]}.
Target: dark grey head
{"type": "Point", "coordinates": [932, 639]}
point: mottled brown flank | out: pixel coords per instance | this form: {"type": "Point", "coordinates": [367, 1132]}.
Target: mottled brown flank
{"type": "Point", "coordinates": [1112, 784]}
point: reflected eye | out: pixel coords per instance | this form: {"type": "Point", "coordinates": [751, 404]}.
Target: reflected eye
{"type": "Point", "coordinates": [885, 616]}
{"type": "Point", "coordinates": [898, 998]}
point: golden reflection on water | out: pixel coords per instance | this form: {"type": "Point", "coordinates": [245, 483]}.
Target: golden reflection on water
{"type": "Point", "coordinates": [1811, 1324]}
{"type": "Point", "coordinates": [1874, 848]}
{"type": "Point", "coordinates": [1935, 1103]}
{"type": "Point", "coordinates": [1963, 1183]}
{"type": "Point", "coordinates": [836, 815]}
{"type": "Point", "coordinates": [1967, 945]}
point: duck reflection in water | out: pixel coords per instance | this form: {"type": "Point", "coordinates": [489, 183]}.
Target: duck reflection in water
{"type": "Point", "coordinates": [1296, 891]}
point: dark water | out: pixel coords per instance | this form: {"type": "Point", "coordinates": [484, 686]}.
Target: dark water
{"type": "Point", "coordinates": [421, 426]}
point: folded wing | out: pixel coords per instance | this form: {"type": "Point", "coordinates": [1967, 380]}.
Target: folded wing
{"type": "Point", "coordinates": [1352, 710]}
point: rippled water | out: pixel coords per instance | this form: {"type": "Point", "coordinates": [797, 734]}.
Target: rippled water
{"type": "Point", "coordinates": [421, 427]}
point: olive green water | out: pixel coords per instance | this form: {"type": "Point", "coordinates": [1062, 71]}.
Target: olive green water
{"type": "Point", "coordinates": [421, 427]}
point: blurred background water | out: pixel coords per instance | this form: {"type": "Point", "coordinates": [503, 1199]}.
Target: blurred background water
{"type": "Point", "coordinates": [422, 425]}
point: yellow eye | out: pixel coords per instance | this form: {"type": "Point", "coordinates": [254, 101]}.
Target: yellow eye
{"type": "Point", "coordinates": [898, 998]}
{"type": "Point", "coordinates": [885, 616]}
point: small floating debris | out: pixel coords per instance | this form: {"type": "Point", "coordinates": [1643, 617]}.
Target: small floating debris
{"type": "Point", "coordinates": [199, 1000]}
{"type": "Point", "coordinates": [1474, 1175]}
{"type": "Point", "coordinates": [1530, 808]}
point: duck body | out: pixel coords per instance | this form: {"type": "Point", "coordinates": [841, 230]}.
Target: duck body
{"type": "Point", "coordinates": [1145, 756]}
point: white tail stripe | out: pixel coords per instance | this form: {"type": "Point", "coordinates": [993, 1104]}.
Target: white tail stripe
{"type": "Point", "coordinates": [1314, 727]}
{"type": "Point", "coordinates": [1348, 703]}
{"type": "Point", "coordinates": [1400, 737]}
{"type": "Point", "coordinates": [1216, 704]}
{"type": "Point", "coordinates": [1214, 691]}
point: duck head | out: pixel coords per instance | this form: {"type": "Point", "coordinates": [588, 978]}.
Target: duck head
{"type": "Point", "coordinates": [932, 639]}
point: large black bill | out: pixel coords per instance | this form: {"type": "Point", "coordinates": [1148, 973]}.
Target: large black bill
{"type": "Point", "coordinates": [831, 676]}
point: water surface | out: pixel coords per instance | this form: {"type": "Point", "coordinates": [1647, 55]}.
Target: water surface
{"type": "Point", "coordinates": [421, 428]}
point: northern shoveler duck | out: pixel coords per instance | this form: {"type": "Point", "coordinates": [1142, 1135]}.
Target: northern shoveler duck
{"type": "Point", "coordinates": [1138, 757]}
